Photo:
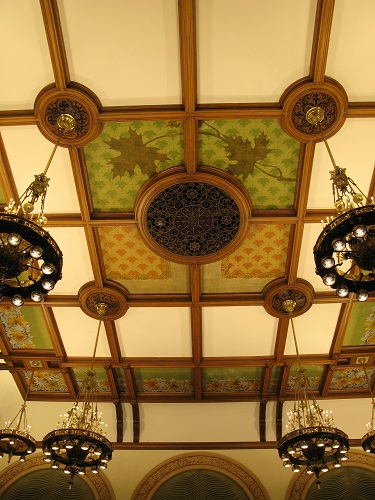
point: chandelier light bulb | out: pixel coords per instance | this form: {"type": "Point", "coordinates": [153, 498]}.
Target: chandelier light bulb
{"type": "Point", "coordinates": [342, 291]}
{"type": "Point", "coordinates": [339, 245]}
{"type": "Point", "coordinates": [362, 295]}
{"type": "Point", "coordinates": [296, 468]}
{"type": "Point", "coordinates": [36, 296]}
{"type": "Point", "coordinates": [359, 231]}
{"type": "Point", "coordinates": [14, 239]}
{"type": "Point", "coordinates": [328, 262]}
{"type": "Point", "coordinates": [17, 300]}
{"type": "Point", "coordinates": [47, 268]}
{"type": "Point", "coordinates": [48, 284]}
{"type": "Point", "coordinates": [36, 252]}
{"type": "Point", "coordinates": [310, 470]}
{"type": "Point", "coordinates": [329, 279]}
{"type": "Point", "coordinates": [324, 468]}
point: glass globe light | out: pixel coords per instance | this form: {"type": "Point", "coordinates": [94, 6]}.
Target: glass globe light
{"type": "Point", "coordinates": [47, 268]}
{"type": "Point", "coordinates": [309, 470]}
{"type": "Point", "coordinates": [339, 245]}
{"type": "Point", "coordinates": [328, 262]}
{"type": "Point", "coordinates": [324, 468]}
{"type": "Point", "coordinates": [362, 295]}
{"type": "Point", "coordinates": [17, 300]}
{"type": "Point", "coordinates": [359, 231]}
{"type": "Point", "coordinates": [14, 239]}
{"type": "Point", "coordinates": [329, 279]}
{"type": "Point", "coordinates": [296, 468]}
{"type": "Point", "coordinates": [342, 291]}
{"type": "Point", "coordinates": [36, 296]}
{"type": "Point", "coordinates": [48, 284]}
{"type": "Point", "coordinates": [36, 252]}
{"type": "Point", "coordinates": [55, 465]}
{"type": "Point", "coordinates": [304, 445]}
{"type": "Point", "coordinates": [336, 464]}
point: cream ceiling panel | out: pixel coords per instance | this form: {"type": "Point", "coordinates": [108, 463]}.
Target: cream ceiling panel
{"type": "Point", "coordinates": [351, 44]}
{"type": "Point", "coordinates": [28, 150]}
{"type": "Point", "coordinates": [77, 268]}
{"type": "Point", "coordinates": [353, 148]}
{"type": "Point", "coordinates": [234, 38]}
{"type": "Point", "coordinates": [78, 332]}
{"type": "Point", "coordinates": [306, 264]}
{"type": "Point", "coordinates": [181, 424]}
{"type": "Point", "coordinates": [24, 54]}
{"type": "Point", "coordinates": [238, 331]}
{"type": "Point", "coordinates": [126, 52]}
{"type": "Point", "coordinates": [314, 330]}
{"type": "Point", "coordinates": [155, 331]}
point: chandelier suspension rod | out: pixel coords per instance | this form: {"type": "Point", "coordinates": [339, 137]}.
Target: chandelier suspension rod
{"type": "Point", "coordinates": [96, 344]}
{"type": "Point", "coordinates": [53, 151]}
{"type": "Point", "coordinates": [22, 410]}
{"type": "Point", "coordinates": [326, 144]}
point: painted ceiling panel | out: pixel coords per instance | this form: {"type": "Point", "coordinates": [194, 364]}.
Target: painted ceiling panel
{"type": "Point", "coordinates": [146, 331]}
{"type": "Point", "coordinates": [258, 153]}
{"type": "Point", "coordinates": [234, 38]}
{"type": "Point", "coordinates": [311, 330]}
{"type": "Point", "coordinates": [232, 380]}
{"type": "Point", "coordinates": [343, 61]}
{"type": "Point", "coordinates": [125, 155]}
{"type": "Point", "coordinates": [100, 378]}
{"type": "Point", "coordinates": [139, 45]}
{"type": "Point", "coordinates": [260, 259]}
{"type": "Point", "coordinates": [130, 262]}
{"type": "Point", "coordinates": [29, 59]}
{"type": "Point", "coordinates": [313, 373]}
{"type": "Point", "coordinates": [120, 377]}
{"type": "Point", "coordinates": [46, 381]}
{"type": "Point", "coordinates": [275, 380]}
{"type": "Point", "coordinates": [77, 268]}
{"type": "Point", "coordinates": [34, 155]}
{"type": "Point", "coordinates": [25, 327]}
{"type": "Point", "coordinates": [238, 331]}
{"type": "Point", "coordinates": [361, 325]}
{"type": "Point", "coordinates": [358, 160]}
{"type": "Point", "coordinates": [164, 380]}
{"type": "Point", "coordinates": [350, 378]}
{"type": "Point", "coordinates": [82, 342]}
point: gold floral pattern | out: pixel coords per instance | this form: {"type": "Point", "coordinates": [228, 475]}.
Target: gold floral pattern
{"type": "Point", "coordinates": [126, 257]}
{"type": "Point", "coordinates": [46, 381]}
{"type": "Point", "coordinates": [369, 337]}
{"type": "Point", "coordinates": [350, 378]}
{"type": "Point", "coordinates": [232, 380]}
{"type": "Point", "coordinates": [100, 378]}
{"type": "Point", "coordinates": [16, 327]}
{"type": "Point", "coordinates": [261, 255]}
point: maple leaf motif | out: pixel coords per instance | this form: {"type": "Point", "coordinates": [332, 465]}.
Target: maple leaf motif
{"type": "Point", "coordinates": [134, 152]}
{"type": "Point", "coordinates": [244, 154]}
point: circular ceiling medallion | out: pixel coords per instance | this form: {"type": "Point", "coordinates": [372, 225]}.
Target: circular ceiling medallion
{"type": "Point", "coordinates": [193, 217]}
{"type": "Point", "coordinates": [112, 294]}
{"type": "Point", "coordinates": [76, 100]}
{"type": "Point", "coordinates": [303, 95]}
{"type": "Point", "coordinates": [278, 291]}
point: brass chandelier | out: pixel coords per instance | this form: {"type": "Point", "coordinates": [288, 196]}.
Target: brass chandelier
{"type": "Point", "coordinates": [79, 441]}
{"type": "Point", "coordinates": [345, 250]}
{"type": "Point", "coordinates": [15, 437]}
{"type": "Point", "coordinates": [312, 439]}
{"type": "Point", "coordinates": [30, 259]}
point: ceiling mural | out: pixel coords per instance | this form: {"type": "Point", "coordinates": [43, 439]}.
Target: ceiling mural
{"type": "Point", "coordinates": [350, 378]}
{"type": "Point", "coordinates": [361, 325]}
{"type": "Point", "coordinates": [164, 380]}
{"type": "Point", "coordinates": [244, 379]}
{"type": "Point", "coordinates": [46, 381]}
{"type": "Point", "coordinates": [100, 378]}
{"type": "Point", "coordinates": [258, 153]}
{"type": "Point", "coordinates": [313, 373]}
{"type": "Point", "coordinates": [275, 379]}
{"type": "Point", "coordinates": [25, 327]}
{"type": "Point", "coordinates": [130, 262]}
{"type": "Point", "coordinates": [125, 156]}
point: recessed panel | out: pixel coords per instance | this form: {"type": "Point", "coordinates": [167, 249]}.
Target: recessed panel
{"type": "Point", "coordinates": [100, 379]}
{"type": "Point", "coordinates": [258, 153]}
{"type": "Point", "coordinates": [46, 381]}
{"type": "Point", "coordinates": [125, 155]}
{"type": "Point", "coordinates": [350, 378]}
{"type": "Point", "coordinates": [314, 330]}
{"type": "Point", "coordinates": [126, 52]}
{"type": "Point", "coordinates": [313, 374]}
{"type": "Point", "coordinates": [25, 60]}
{"type": "Point", "coordinates": [351, 35]}
{"type": "Point", "coordinates": [164, 380]}
{"type": "Point", "coordinates": [361, 325]}
{"type": "Point", "coordinates": [78, 333]}
{"type": "Point", "coordinates": [155, 332]}
{"type": "Point", "coordinates": [238, 331]}
{"type": "Point", "coordinates": [28, 153]}
{"type": "Point", "coordinates": [244, 380]}
{"type": "Point", "coordinates": [239, 60]}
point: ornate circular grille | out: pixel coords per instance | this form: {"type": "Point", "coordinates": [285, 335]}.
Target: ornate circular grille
{"type": "Point", "coordinates": [193, 219]}
{"type": "Point", "coordinates": [313, 99]}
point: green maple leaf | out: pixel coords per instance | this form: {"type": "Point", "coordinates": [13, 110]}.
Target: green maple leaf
{"type": "Point", "coordinates": [133, 152]}
{"type": "Point", "coordinates": [244, 154]}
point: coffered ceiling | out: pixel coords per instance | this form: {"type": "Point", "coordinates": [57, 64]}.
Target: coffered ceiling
{"type": "Point", "coordinates": [191, 95]}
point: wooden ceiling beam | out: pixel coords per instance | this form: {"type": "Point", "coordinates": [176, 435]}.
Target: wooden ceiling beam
{"type": "Point", "coordinates": [321, 39]}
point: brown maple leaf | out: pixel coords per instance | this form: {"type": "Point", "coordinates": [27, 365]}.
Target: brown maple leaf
{"type": "Point", "coordinates": [134, 152]}
{"type": "Point", "coordinates": [244, 154]}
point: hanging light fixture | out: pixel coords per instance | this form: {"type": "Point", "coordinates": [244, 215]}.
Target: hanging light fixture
{"type": "Point", "coordinates": [15, 439]}
{"type": "Point", "coordinates": [345, 250]}
{"type": "Point", "coordinates": [79, 441]}
{"type": "Point", "coordinates": [30, 259]}
{"type": "Point", "coordinates": [368, 440]}
{"type": "Point", "coordinates": [312, 440]}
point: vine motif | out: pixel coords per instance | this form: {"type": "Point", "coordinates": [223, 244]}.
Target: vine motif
{"type": "Point", "coordinates": [193, 219]}
{"type": "Point", "coordinates": [71, 107]}
{"type": "Point", "coordinates": [314, 99]}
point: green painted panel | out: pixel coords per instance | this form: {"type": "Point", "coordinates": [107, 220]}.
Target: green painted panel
{"type": "Point", "coordinates": [46, 381]}
{"type": "Point", "coordinates": [25, 327]}
{"type": "Point", "coordinates": [313, 373]}
{"type": "Point", "coordinates": [258, 153]}
{"type": "Point", "coordinates": [125, 155]}
{"type": "Point", "coordinates": [164, 380]}
{"type": "Point", "coordinates": [243, 379]}
{"type": "Point", "coordinates": [361, 325]}
{"type": "Point", "coordinates": [100, 378]}
{"type": "Point", "coordinates": [350, 378]}
{"type": "Point", "coordinates": [275, 380]}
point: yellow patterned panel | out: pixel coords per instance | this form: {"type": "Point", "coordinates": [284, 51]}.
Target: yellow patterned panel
{"type": "Point", "coordinates": [126, 257]}
{"type": "Point", "coordinates": [262, 254]}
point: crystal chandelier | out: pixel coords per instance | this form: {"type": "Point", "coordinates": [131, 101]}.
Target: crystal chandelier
{"type": "Point", "coordinates": [345, 250]}
{"type": "Point", "coordinates": [79, 441]}
{"type": "Point", "coordinates": [368, 440]}
{"type": "Point", "coordinates": [15, 439]}
{"type": "Point", "coordinates": [312, 440]}
{"type": "Point", "coordinates": [30, 259]}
